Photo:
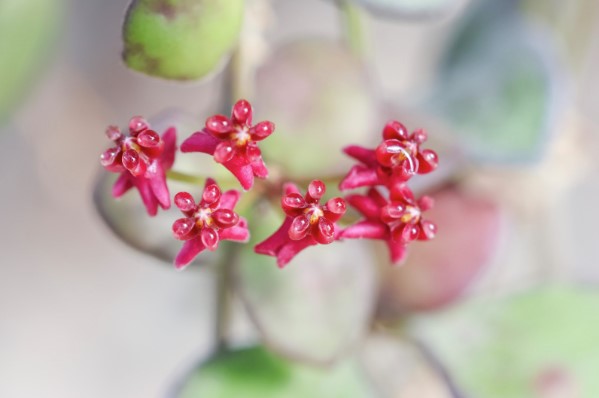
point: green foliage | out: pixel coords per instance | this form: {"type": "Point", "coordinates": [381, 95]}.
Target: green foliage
{"type": "Point", "coordinates": [507, 346]}
{"type": "Point", "coordinates": [257, 373]}
{"type": "Point", "coordinates": [499, 85]}
{"type": "Point", "coordinates": [180, 39]}
{"type": "Point", "coordinates": [27, 27]}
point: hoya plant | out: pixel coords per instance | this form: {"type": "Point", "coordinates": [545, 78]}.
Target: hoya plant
{"type": "Point", "coordinates": [331, 215]}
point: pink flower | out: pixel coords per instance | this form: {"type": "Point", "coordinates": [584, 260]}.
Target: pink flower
{"type": "Point", "coordinates": [142, 157]}
{"type": "Point", "coordinates": [398, 221]}
{"type": "Point", "coordinates": [394, 161]}
{"type": "Point", "coordinates": [307, 223]}
{"type": "Point", "coordinates": [234, 143]}
{"type": "Point", "coordinates": [207, 223]}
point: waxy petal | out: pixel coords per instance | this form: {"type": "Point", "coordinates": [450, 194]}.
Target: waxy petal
{"type": "Point", "coordinates": [359, 176]}
{"type": "Point", "coordinates": [147, 196]}
{"type": "Point", "coordinates": [366, 229]}
{"type": "Point", "coordinates": [238, 233]}
{"type": "Point", "coordinates": [170, 147]}
{"type": "Point", "coordinates": [242, 112]}
{"type": "Point", "coordinates": [191, 248]}
{"type": "Point", "coordinates": [242, 171]}
{"type": "Point", "coordinates": [398, 252]}
{"type": "Point", "coordinates": [200, 141]}
{"type": "Point", "coordinates": [159, 187]}
{"type": "Point", "coordinates": [219, 124]}
{"type": "Point", "coordinates": [271, 245]}
{"type": "Point", "coordinates": [259, 168]}
{"type": "Point", "coordinates": [229, 199]}
{"type": "Point", "coordinates": [428, 160]}
{"type": "Point", "coordinates": [122, 185]}
{"type": "Point", "coordinates": [291, 249]}
{"type": "Point", "coordinates": [367, 206]}
{"type": "Point", "coordinates": [364, 155]}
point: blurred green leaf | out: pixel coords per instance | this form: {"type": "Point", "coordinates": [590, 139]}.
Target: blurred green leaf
{"type": "Point", "coordinates": [437, 272]}
{"type": "Point", "coordinates": [257, 373]}
{"type": "Point", "coordinates": [410, 8]}
{"type": "Point", "coordinates": [539, 344]}
{"type": "Point", "coordinates": [320, 98]}
{"type": "Point", "coordinates": [499, 85]}
{"type": "Point", "coordinates": [180, 39]}
{"type": "Point", "coordinates": [27, 27]}
{"type": "Point", "coordinates": [318, 307]}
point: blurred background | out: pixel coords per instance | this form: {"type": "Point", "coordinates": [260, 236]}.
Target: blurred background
{"type": "Point", "coordinates": [501, 304]}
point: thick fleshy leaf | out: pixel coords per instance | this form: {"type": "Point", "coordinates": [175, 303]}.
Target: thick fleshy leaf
{"type": "Point", "coordinates": [319, 306]}
{"type": "Point", "coordinates": [438, 271]}
{"type": "Point", "coordinates": [27, 28]}
{"type": "Point", "coordinates": [180, 39]}
{"type": "Point", "coordinates": [410, 9]}
{"type": "Point", "coordinates": [258, 373]}
{"type": "Point", "coordinates": [500, 100]}
{"type": "Point", "coordinates": [320, 97]}
{"type": "Point", "coordinates": [542, 343]}
{"type": "Point", "coordinates": [398, 368]}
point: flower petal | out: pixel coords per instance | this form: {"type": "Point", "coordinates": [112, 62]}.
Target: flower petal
{"type": "Point", "coordinates": [259, 168]}
{"type": "Point", "coordinates": [291, 249]}
{"type": "Point", "coordinates": [238, 233]}
{"type": "Point", "coordinates": [147, 196]}
{"type": "Point", "coordinates": [365, 205]}
{"type": "Point", "coordinates": [366, 229]}
{"type": "Point", "coordinates": [170, 146]}
{"type": "Point", "coordinates": [397, 252]}
{"type": "Point", "coordinates": [242, 171]}
{"type": "Point", "coordinates": [159, 186]}
{"type": "Point", "coordinates": [359, 176]}
{"type": "Point", "coordinates": [428, 160]}
{"type": "Point", "coordinates": [200, 141]}
{"type": "Point", "coordinates": [122, 185]}
{"type": "Point", "coordinates": [364, 155]}
{"type": "Point", "coordinates": [188, 252]}
{"type": "Point", "coordinates": [271, 245]}
{"type": "Point", "coordinates": [229, 199]}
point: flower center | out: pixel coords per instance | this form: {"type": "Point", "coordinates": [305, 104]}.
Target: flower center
{"type": "Point", "coordinates": [314, 213]}
{"type": "Point", "coordinates": [411, 215]}
{"type": "Point", "coordinates": [204, 217]}
{"type": "Point", "coordinates": [242, 136]}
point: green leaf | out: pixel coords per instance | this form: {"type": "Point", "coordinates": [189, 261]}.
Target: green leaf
{"type": "Point", "coordinates": [27, 28]}
{"type": "Point", "coordinates": [180, 39]}
{"type": "Point", "coordinates": [499, 86]}
{"type": "Point", "coordinates": [317, 308]}
{"type": "Point", "coordinates": [257, 373]}
{"type": "Point", "coordinates": [321, 100]}
{"type": "Point", "coordinates": [542, 343]}
{"type": "Point", "coordinates": [410, 8]}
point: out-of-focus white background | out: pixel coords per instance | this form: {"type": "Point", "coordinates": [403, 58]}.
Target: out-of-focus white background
{"type": "Point", "coordinates": [84, 315]}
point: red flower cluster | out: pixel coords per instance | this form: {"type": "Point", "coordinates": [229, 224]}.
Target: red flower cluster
{"type": "Point", "coordinates": [207, 223]}
{"type": "Point", "coordinates": [142, 157]}
{"type": "Point", "coordinates": [397, 220]}
{"type": "Point", "coordinates": [307, 222]}
{"type": "Point", "coordinates": [234, 143]}
{"type": "Point", "coordinates": [394, 161]}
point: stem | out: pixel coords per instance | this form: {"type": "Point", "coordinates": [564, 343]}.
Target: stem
{"type": "Point", "coordinates": [184, 177]}
{"type": "Point", "coordinates": [223, 293]}
{"type": "Point", "coordinates": [354, 27]}
{"type": "Point", "coordinates": [440, 368]}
